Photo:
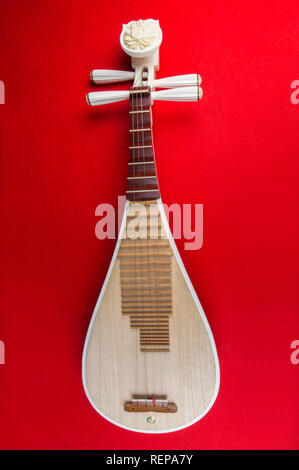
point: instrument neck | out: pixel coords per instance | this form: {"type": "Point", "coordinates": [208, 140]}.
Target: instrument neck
{"type": "Point", "coordinates": [142, 178]}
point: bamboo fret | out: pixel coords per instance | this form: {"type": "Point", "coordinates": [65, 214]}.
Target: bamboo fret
{"type": "Point", "coordinates": [149, 303]}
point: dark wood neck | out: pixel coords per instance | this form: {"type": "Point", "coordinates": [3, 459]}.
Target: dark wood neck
{"type": "Point", "coordinates": [142, 179]}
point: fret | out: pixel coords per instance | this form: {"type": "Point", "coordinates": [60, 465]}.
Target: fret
{"type": "Point", "coordinates": [143, 191]}
{"type": "Point", "coordinates": [139, 163]}
{"type": "Point", "coordinates": [140, 177]}
{"type": "Point", "coordinates": [140, 130]}
{"type": "Point", "coordinates": [140, 111]}
{"type": "Point", "coordinates": [140, 146]}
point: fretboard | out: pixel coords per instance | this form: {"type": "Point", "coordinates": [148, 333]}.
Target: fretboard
{"type": "Point", "coordinates": [142, 178]}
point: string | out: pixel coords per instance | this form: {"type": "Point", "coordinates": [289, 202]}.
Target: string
{"type": "Point", "coordinates": [155, 280]}
{"type": "Point", "coordinates": [145, 280]}
{"type": "Point", "coordinates": [151, 278]}
{"type": "Point", "coordinates": [133, 108]}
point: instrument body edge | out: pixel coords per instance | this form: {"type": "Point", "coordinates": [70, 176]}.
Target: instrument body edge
{"type": "Point", "coordinates": [208, 365]}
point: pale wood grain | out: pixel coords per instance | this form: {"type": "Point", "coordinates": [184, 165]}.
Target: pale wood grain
{"type": "Point", "coordinates": [116, 369]}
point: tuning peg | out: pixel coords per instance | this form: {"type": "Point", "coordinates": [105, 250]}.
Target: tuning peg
{"type": "Point", "coordinates": [178, 81]}
{"type": "Point", "coordinates": [104, 97]}
{"type": "Point", "coordinates": [191, 93]}
{"type": "Point", "coordinates": [111, 76]}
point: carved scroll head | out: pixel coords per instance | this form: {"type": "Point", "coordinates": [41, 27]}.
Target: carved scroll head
{"type": "Point", "coordinates": [140, 38]}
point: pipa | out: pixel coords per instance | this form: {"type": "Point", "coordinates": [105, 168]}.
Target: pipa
{"type": "Point", "coordinates": [149, 362]}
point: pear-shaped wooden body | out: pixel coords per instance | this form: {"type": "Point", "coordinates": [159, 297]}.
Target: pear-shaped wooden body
{"type": "Point", "coordinates": [134, 350]}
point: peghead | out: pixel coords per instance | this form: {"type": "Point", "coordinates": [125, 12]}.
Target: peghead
{"type": "Point", "coordinates": [141, 41]}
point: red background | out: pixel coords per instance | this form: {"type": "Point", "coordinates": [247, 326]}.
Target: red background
{"type": "Point", "coordinates": [234, 153]}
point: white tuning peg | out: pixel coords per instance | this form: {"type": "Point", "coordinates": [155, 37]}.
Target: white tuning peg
{"type": "Point", "coordinates": [111, 76]}
{"type": "Point", "coordinates": [189, 93]}
{"type": "Point", "coordinates": [178, 81]}
{"type": "Point", "coordinates": [104, 97]}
